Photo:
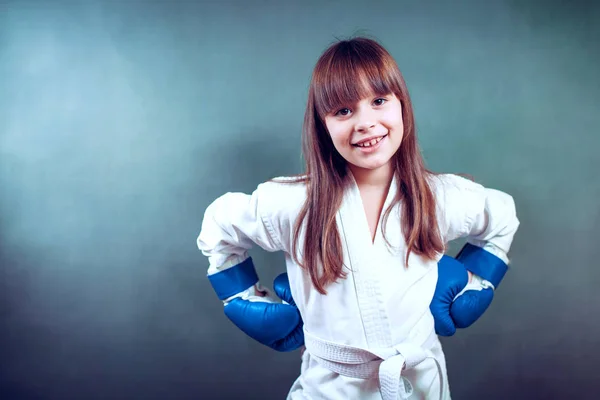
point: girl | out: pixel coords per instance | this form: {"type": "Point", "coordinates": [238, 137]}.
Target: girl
{"type": "Point", "coordinates": [362, 232]}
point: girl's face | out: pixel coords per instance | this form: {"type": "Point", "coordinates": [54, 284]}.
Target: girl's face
{"type": "Point", "coordinates": [367, 134]}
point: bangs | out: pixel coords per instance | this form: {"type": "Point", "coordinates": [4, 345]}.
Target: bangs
{"type": "Point", "coordinates": [350, 72]}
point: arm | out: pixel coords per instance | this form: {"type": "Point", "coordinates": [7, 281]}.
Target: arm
{"type": "Point", "coordinates": [232, 225]}
{"type": "Point", "coordinates": [482, 215]}
{"type": "Point", "coordinates": [485, 217]}
{"type": "Point", "coordinates": [494, 226]}
{"type": "Point", "coordinates": [466, 284]}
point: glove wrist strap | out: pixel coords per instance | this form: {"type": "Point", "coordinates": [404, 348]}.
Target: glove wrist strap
{"type": "Point", "coordinates": [234, 280]}
{"type": "Point", "coordinates": [483, 263]}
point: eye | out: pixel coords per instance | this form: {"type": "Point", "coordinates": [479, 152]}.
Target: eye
{"type": "Point", "coordinates": [380, 101]}
{"type": "Point", "coordinates": [343, 112]}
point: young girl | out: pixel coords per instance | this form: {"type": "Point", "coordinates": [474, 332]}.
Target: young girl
{"type": "Point", "coordinates": [362, 232]}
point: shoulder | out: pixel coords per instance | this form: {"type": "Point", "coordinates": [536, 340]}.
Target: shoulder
{"type": "Point", "coordinates": [282, 197]}
{"type": "Point", "coordinates": [457, 191]}
{"type": "Point", "coordinates": [464, 205]}
{"type": "Point", "coordinates": [268, 198]}
{"type": "Point", "coordinates": [454, 192]}
{"type": "Point", "coordinates": [444, 185]}
{"type": "Point", "coordinates": [282, 189]}
{"type": "Point", "coordinates": [280, 201]}
{"type": "Point", "coordinates": [458, 201]}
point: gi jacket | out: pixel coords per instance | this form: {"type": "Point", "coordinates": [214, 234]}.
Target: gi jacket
{"type": "Point", "coordinates": [372, 335]}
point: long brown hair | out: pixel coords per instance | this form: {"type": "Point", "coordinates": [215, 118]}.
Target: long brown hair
{"type": "Point", "coordinates": [339, 79]}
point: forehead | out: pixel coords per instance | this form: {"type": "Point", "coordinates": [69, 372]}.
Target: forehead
{"type": "Point", "coordinates": [349, 88]}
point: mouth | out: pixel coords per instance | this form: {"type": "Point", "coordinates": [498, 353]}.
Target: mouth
{"type": "Point", "coordinates": [370, 143]}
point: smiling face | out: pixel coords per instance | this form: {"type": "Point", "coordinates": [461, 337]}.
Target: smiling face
{"type": "Point", "coordinates": [368, 133]}
{"type": "Point", "coordinates": [359, 116]}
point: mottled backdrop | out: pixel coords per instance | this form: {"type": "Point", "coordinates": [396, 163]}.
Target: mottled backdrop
{"type": "Point", "coordinates": [120, 121]}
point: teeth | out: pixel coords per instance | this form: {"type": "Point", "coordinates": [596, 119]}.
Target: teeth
{"type": "Point", "coordinates": [370, 143]}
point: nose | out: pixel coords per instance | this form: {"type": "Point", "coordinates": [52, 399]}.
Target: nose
{"type": "Point", "coordinates": [365, 121]}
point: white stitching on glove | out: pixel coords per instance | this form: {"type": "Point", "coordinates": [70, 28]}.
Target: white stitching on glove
{"type": "Point", "coordinates": [476, 283]}
{"type": "Point", "coordinates": [255, 293]}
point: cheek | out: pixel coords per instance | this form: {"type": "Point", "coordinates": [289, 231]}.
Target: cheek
{"type": "Point", "coordinates": [397, 125]}
{"type": "Point", "coordinates": [393, 119]}
{"type": "Point", "coordinates": [339, 137]}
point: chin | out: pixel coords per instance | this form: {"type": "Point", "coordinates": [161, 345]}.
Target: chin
{"type": "Point", "coordinates": [373, 166]}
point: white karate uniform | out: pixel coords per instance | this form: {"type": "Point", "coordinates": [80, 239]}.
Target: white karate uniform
{"type": "Point", "coordinates": [372, 335]}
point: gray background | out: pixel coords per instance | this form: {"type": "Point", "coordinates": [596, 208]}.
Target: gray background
{"type": "Point", "coordinates": [121, 121]}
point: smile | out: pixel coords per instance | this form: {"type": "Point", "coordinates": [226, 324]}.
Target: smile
{"type": "Point", "coordinates": [370, 143]}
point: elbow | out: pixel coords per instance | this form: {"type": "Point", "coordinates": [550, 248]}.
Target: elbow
{"type": "Point", "coordinates": [210, 229]}
{"type": "Point", "coordinates": [503, 222]}
{"type": "Point", "coordinates": [510, 210]}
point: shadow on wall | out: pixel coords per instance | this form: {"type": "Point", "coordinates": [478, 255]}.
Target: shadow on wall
{"type": "Point", "coordinates": [24, 341]}
{"type": "Point", "coordinates": [521, 363]}
{"type": "Point", "coordinates": [541, 376]}
{"type": "Point", "coordinates": [14, 391]}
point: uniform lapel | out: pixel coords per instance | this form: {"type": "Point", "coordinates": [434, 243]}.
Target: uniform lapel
{"type": "Point", "coordinates": [362, 259]}
{"type": "Point", "coordinates": [380, 277]}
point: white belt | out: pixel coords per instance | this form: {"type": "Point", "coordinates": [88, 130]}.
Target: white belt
{"type": "Point", "coordinates": [388, 363]}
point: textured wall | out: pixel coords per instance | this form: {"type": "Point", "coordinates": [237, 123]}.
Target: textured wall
{"type": "Point", "coordinates": [121, 121]}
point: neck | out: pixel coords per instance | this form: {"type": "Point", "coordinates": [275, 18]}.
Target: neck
{"type": "Point", "coordinates": [379, 178]}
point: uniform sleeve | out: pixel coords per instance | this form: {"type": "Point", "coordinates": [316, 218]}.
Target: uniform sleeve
{"type": "Point", "coordinates": [232, 225]}
{"type": "Point", "coordinates": [486, 217]}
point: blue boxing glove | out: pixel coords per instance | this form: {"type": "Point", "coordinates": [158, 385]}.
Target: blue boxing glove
{"type": "Point", "coordinates": [255, 311]}
{"type": "Point", "coordinates": [488, 266]}
{"type": "Point", "coordinates": [452, 279]}
{"type": "Point", "coordinates": [458, 303]}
